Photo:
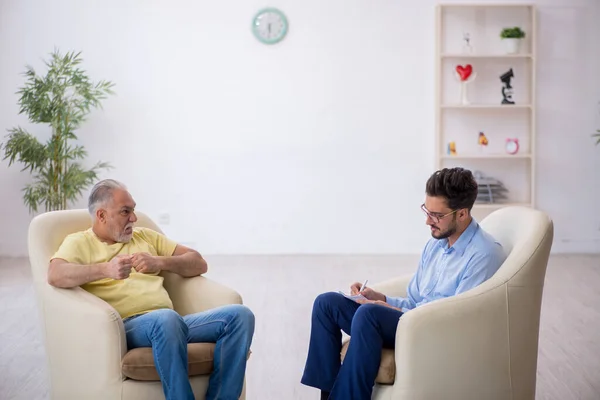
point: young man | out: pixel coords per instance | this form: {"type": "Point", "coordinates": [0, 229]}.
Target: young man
{"type": "Point", "coordinates": [121, 265]}
{"type": "Point", "coordinates": [458, 257]}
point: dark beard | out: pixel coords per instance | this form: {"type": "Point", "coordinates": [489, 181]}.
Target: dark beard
{"type": "Point", "coordinates": [451, 231]}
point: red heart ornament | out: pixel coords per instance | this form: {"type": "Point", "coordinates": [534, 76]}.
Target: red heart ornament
{"type": "Point", "coordinates": [464, 72]}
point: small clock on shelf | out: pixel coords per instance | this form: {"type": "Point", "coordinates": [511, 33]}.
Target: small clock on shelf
{"type": "Point", "coordinates": [269, 25]}
{"type": "Point", "coordinates": [512, 146]}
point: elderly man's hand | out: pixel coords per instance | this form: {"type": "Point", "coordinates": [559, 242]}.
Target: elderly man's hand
{"type": "Point", "coordinates": [145, 263]}
{"type": "Point", "coordinates": [119, 267]}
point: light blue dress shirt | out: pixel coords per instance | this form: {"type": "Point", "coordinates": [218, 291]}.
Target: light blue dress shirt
{"type": "Point", "coordinates": [445, 272]}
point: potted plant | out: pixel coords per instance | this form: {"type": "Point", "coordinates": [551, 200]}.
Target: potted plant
{"type": "Point", "coordinates": [512, 39]}
{"type": "Point", "coordinates": [61, 99]}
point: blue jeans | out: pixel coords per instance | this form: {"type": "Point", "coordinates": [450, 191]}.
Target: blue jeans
{"type": "Point", "coordinates": [231, 327]}
{"type": "Point", "coordinates": [371, 328]}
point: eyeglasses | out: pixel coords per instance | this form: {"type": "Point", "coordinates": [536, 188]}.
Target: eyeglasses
{"type": "Point", "coordinates": [435, 217]}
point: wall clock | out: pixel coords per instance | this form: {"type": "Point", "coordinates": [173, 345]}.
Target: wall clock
{"type": "Point", "coordinates": [269, 25]}
{"type": "Point", "coordinates": [512, 146]}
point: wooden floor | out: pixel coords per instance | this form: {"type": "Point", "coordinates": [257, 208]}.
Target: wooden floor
{"type": "Point", "coordinates": [280, 290]}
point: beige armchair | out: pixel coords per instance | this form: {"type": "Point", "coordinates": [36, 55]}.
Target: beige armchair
{"type": "Point", "coordinates": [481, 344]}
{"type": "Point", "coordinates": [84, 336]}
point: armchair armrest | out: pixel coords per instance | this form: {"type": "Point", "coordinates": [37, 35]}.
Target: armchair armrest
{"type": "Point", "coordinates": [196, 294]}
{"type": "Point", "coordinates": [85, 341]}
{"type": "Point", "coordinates": [395, 287]}
{"type": "Point", "coordinates": [440, 343]}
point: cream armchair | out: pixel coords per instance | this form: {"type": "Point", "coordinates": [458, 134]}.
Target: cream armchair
{"type": "Point", "coordinates": [481, 344]}
{"type": "Point", "coordinates": [84, 336]}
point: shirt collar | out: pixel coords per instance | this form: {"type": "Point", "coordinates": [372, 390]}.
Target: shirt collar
{"type": "Point", "coordinates": [463, 240]}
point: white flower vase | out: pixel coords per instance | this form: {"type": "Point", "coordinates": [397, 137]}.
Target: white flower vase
{"type": "Point", "coordinates": [512, 45]}
{"type": "Point", "coordinates": [464, 98]}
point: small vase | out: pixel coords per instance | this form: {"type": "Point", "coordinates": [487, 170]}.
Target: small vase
{"type": "Point", "coordinates": [513, 46]}
{"type": "Point", "coordinates": [463, 94]}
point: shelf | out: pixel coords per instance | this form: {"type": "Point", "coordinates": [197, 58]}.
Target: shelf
{"type": "Point", "coordinates": [483, 156]}
{"type": "Point", "coordinates": [488, 106]}
{"type": "Point", "coordinates": [479, 25]}
{"type": "Point", "coordinates": [488, 5]}
{"type": "Point", "coordinates": [458, 55]}
{"type": "Point", "coordinates": [493, 206]}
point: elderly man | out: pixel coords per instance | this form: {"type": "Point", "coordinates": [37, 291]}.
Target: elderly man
{"type": "Point", "coordinates": [120, 264]}
{"type": "Point", "coordinates": [459, 256]}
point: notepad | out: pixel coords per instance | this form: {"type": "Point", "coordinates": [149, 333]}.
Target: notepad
{"type": "Point", "coordinates": [354, 296]}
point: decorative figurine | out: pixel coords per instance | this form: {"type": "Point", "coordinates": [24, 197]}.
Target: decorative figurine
{"type": "Point", "coordinates": [482, 141]}
{"type": "Point", "coordinates": [507, 90]}
{"type": "Point", "coordinates": [465, 75]}
{"type": "Point", "coordinates": [512, 145]}
{"type": "Point", "coordinates": [452, 148]}
{"type": "Point", "coordinates": [467, 48]}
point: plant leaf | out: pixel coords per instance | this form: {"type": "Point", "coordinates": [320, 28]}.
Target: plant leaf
{"type": "Point", "coordinates": [60, 99]}
{"type": "Point", "coordinates": [24, 148]}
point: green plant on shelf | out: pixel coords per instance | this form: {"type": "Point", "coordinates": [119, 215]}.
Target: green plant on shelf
{"type": "Point", "coordinates": [597, 135]}
{"type": "Point", "coordinates": [512, 33]}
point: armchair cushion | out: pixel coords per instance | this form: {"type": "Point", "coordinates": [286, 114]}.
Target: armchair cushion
{"type": "Point", "coordinates": [138, 363]}
{"type": "Point", "coordinates": [387, 366]}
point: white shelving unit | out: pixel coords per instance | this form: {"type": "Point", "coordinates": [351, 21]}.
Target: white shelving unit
{"type": "Point", "coordinates": [461, 123]}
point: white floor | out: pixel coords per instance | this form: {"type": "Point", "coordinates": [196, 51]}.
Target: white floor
{"type": "Point", "coordinates": [280, 290]}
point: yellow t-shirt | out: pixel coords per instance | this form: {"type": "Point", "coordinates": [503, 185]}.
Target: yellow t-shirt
{"type": "Point", "coordinates": [137, 294]}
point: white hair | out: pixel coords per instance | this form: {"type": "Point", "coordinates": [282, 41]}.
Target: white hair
{"type": "Point", "coordinates": [101, 194]}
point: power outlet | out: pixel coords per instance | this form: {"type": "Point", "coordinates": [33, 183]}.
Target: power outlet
{"type": "Point", "coordinates": [164, 219]}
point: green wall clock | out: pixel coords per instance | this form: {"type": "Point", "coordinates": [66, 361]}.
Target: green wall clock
{"type": "Point", "coordinates": [270, 25]}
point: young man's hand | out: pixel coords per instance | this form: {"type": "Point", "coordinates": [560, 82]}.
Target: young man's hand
{"type": "Point", "coordinates": [367, 292]}
{"type": "Point", "coordinates": [144, 263]}
{"type": "Point", "coordinates": [378, 302]}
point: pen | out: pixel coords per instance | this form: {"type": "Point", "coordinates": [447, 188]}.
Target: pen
{"type": "Point", "coordinates": [363, 286]}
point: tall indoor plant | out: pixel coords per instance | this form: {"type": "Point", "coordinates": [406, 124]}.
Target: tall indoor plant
{"type": "Point", "coordinates": [61, 99]}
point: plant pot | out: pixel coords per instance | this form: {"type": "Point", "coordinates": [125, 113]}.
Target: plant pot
{"type": "Point", "coordinates": [513, 46]}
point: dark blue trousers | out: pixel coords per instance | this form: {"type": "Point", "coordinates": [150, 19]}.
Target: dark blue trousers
{"type": "Point", "coordinates": [371, 328]}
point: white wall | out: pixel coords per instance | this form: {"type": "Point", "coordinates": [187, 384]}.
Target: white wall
{"type": "Point", "coordinates": [321, 144]}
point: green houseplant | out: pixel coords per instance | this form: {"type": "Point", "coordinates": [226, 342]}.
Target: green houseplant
{"type": "Point", "coordinates": [61, 99]}
{"type": "Point", "coordinates": [512, 38]}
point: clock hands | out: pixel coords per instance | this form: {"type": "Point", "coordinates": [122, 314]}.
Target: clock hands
{"type": "Point", "coordinates": [270, 26]}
